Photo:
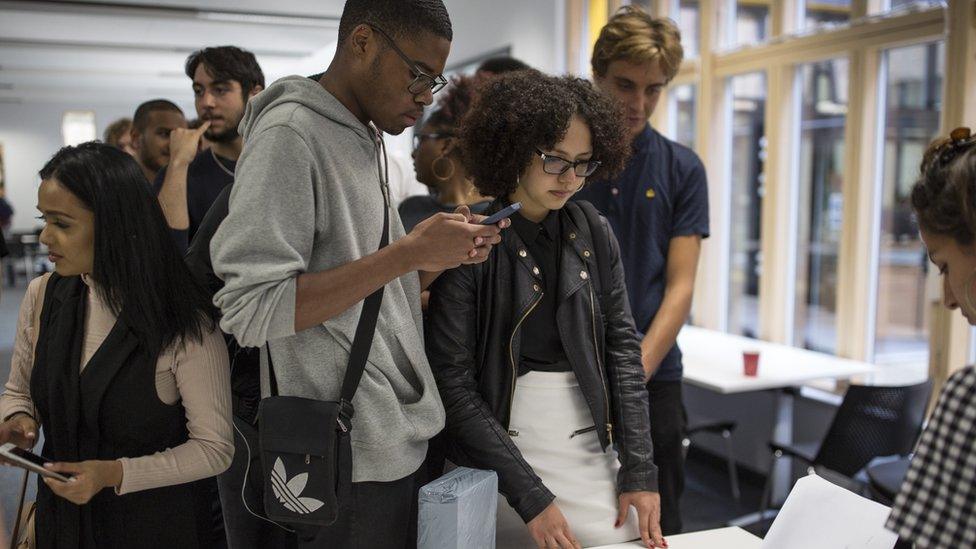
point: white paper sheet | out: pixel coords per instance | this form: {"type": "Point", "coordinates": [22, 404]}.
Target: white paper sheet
{"type": "Point", "coordinates": [818, 514]}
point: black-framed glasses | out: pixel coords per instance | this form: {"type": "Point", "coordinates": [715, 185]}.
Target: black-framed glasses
{"type": "Point", "coordinates": [421, 81]}
{"type": "Point", "coordinates": [419, 138]}
{"type": "Point", "coordinates": [555, 165]}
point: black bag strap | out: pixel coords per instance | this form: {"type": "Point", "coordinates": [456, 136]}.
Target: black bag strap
{"type": "Point", "coordinates": [363, 340]}
{"type": "Point", "coordinates": [600, 238]}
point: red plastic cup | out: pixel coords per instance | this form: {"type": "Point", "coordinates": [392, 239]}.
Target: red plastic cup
{"type": "Point", "coordinates": [750, 363]}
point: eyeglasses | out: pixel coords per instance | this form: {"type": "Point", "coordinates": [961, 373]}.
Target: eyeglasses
{"type": "Point", "coordinates": [419, 138]}
{"type": "Point", "coordinates": [554, 165]}
{"type": "Point", "coordinates": [945, 150]}
{"type": "Point", "coordinates": [421, 81]}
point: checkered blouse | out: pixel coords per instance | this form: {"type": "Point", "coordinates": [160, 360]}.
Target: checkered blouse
{"type": "Point", "coordinates": [936, 506]}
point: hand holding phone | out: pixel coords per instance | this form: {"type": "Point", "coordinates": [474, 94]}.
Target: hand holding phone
{"type": "Point", "coordinates": [26, 459]}
{"type": "Point", "coordinates": [502, 214]}
{"type": "Point", "coordinates": [20, 429]}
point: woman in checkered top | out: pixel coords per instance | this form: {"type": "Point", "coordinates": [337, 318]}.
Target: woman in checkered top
{"type": "Point", "coordinates": [936, 506]}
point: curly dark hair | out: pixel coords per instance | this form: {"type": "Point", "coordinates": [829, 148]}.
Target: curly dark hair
{"type": "Point", "coordinates": [943, 198]}
{"type": "Point", "coordinates": [453, 104]}
{"type": "Point", "coordinates": [516, 113]}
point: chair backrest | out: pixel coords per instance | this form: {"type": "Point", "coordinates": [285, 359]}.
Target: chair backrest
{"type": "Point", "coordinates": [874, 421]}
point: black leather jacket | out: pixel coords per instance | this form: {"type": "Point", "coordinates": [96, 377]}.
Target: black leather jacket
{"type": "Point", "coordinates": [473, 342]}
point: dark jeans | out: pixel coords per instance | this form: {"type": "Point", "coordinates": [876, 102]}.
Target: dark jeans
{"type": "Point", "coordinates": [668, 422]}
{"type": "Point", "coordinates": [244, 530]}
{"type": "Point", "coordinates": [377, 515]}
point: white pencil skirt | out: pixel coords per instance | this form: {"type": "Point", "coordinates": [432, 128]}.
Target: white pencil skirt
{"type": "Point", "coordinates": [547, 408]}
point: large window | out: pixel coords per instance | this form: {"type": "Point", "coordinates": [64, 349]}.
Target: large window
{"type": "Point", "coordinates": [78, 127]}
{"type": "Point", "coordinates": [813, 242]}
{"type": "Point", "coordinates": [681, 114]}
{"type": "Point", "coordinates": [748, 143]}
{"type": "Point", "coordinates": [646, 5]}
{"type": "Point", "coordinates": [750, 24]}
{"type": "Point", "coordinates": [823, 114]}
{"type": "Point", "coordinates": [912, 105]}
{"type": "Point", "coordinates": [825, 12]}
{"type": "Point", "coordinates": [689, 21]}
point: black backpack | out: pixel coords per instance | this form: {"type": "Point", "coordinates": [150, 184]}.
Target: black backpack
{"type": "Point", "coordinates": [587, 218]}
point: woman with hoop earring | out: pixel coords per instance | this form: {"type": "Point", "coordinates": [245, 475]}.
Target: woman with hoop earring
{"type": "Point", "coordinates": [936, 506]}
{"type": "Point", "coordinates": [437, 160]}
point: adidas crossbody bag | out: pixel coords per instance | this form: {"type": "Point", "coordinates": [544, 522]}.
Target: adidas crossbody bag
{"type": "Point", "coordinates": [306, 454]}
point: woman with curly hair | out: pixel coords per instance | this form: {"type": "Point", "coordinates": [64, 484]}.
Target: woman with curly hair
{"type": "Point", "coordinates": [534, 351]}
{"type": "Point", "coordinates": [437, 159]}
{"type": "Point", "coordinates": [936, 506]}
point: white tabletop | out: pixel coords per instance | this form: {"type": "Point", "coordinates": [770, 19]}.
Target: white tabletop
{"type": "Point", "coordinates": [713, 360]}
{"type": "Point", "coordinates": [720, 538]}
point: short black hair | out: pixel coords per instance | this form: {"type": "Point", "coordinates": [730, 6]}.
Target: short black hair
{"type": "Point", "coordinates": [141, 118]}
{"type": "Point", "coordinates": [397, 18]}
{"type": "Point", "coordinates": [502, 64]}
{"type": "Point", "coordinates": [516, 113]}
{"type": "Point", "coordinates": [228, 63]}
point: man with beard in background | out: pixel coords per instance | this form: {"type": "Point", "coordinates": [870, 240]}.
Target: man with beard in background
{"type": "Point", "coordinates": [152, 125]}
{"type": "Point", "coordinates": [224, 79]}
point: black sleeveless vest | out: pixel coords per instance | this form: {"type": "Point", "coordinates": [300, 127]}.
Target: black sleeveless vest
{"type": "Point", "coordinates": [109, 411]}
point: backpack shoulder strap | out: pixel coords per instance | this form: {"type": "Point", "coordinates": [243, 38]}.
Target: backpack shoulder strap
{"type": "Point", "coordinates": [600, 239]}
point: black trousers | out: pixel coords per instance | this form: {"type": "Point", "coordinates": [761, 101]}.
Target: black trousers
{"type": "Point", "coordinates": [377, 515]}
{"type": "Point", "coordinates": [668, 423]}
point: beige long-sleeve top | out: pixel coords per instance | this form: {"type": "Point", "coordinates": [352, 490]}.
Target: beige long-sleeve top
{"type": "Point", "coordinates": [195, 372]}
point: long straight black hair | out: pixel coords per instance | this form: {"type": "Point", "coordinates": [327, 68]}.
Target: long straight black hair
{"type": "Point", "coordinates": [137, 269]}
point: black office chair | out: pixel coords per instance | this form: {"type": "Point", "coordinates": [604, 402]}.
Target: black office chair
{"type": "Point", "coordinates": [723, 429]}
{"type": "Point", "coordinates": [871, 421]}
{"type": "Point", "coordinates": [884, 479]}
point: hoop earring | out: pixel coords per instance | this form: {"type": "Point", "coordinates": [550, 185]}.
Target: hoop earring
{"type": "Point", "coordinates": [968, 296]}
{"type": "Point", "coordinates": [433, 168]}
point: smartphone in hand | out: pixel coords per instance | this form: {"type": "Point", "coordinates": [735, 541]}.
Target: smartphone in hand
{"type": "Point", "coordinates": [26, 459]}
{"type": "Point", "coordinates": [502, 214]}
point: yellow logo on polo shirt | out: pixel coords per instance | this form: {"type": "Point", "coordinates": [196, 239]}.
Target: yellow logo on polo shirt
{"type": "Point", "coordinates": [650, 193]}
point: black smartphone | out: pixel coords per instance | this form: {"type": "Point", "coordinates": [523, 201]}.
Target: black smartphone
{"type": "Point", "coordinates": [28, 460]}
{"type": "Point", "coordinates": [502, 214]}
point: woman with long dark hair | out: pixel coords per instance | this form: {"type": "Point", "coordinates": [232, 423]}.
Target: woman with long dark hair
{"type": "Point", "coordinates": [120, 363]}
{"type": "Point", "coordinates": [535, 351]}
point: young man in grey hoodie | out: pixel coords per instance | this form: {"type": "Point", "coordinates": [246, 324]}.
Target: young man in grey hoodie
{"type": "Point", "coordinates": [297, 252]}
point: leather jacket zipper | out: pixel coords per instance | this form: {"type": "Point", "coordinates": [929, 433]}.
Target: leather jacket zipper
{"type": "Point", "coordinates": [599, 361]}
{"type": "Point", "coordinates": [511, 358]}
{"type": "Point", "coordinates": [577, 432]}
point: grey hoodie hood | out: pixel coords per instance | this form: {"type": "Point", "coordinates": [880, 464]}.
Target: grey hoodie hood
{"type": "Point", "coordinates": [309, 197]}
{"type": "Point", "coordinates": [299, 91]}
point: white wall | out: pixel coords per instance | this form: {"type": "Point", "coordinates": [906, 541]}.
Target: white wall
{"type": "Point", "coordinates": [31, 134]}
{"type": "Point", "coordinates": [533, 28]}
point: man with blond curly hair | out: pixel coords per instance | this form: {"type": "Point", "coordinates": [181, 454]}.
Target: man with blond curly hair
{"type": "Point", "coordinates": [658, 208]}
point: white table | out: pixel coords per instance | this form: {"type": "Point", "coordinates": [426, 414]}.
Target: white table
{"type": "Point", "coordinates": [721, 538]}
{"type": "Point", "coordinates": [713, 360]}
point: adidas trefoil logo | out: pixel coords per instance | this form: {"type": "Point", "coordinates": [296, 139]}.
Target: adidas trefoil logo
{"type": "Point", "coordinates": [289, 492]}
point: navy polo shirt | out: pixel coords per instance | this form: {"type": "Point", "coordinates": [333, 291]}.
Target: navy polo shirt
{"type": "Point", "coordinates": [661, 194]}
